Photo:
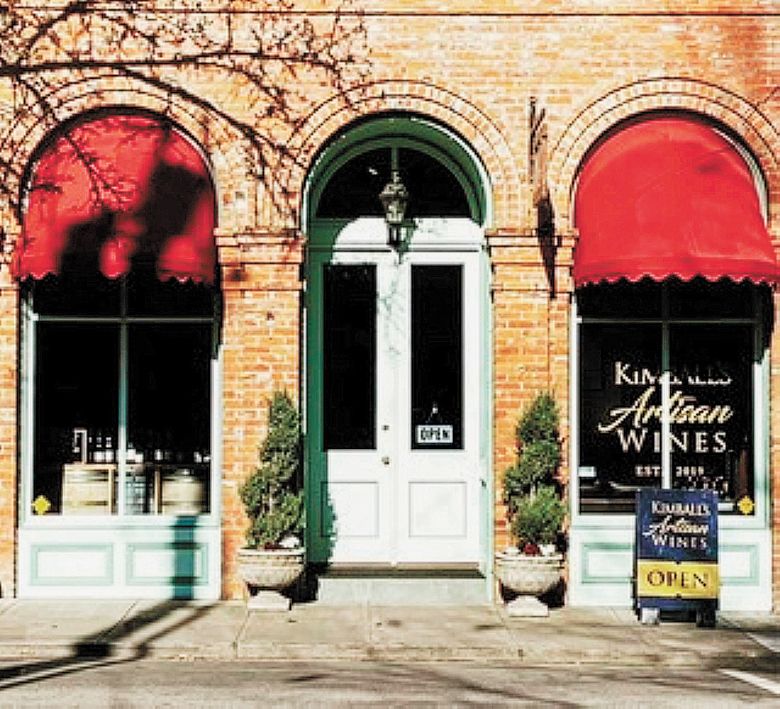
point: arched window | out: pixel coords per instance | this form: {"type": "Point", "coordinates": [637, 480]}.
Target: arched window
{"type": "Point", "coordinates": [118, 261]}
{"type": "Point", "coordinates": [671, 267]}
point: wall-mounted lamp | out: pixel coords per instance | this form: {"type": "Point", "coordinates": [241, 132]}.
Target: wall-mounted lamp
{"type": "Point", "coordinates": [394, 197]}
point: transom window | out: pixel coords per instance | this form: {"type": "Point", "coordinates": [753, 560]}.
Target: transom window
{"type": "Point", "coordinates": [353, 190]}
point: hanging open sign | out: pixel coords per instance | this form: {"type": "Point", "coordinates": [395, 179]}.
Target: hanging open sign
{"type": "Point", "coordinates": [434, 434]}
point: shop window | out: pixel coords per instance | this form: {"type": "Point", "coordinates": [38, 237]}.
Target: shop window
{"type": "Point", "coordinates": [122, 395]}
{"type": "Point", "coordinates": [666, 395]}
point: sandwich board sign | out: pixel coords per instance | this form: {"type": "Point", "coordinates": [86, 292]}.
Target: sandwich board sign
{"type": "Point", "coordinates": [676, 553]}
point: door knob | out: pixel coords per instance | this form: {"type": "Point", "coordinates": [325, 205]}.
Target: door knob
{"type": "Point", "coordinates": [385, 460]}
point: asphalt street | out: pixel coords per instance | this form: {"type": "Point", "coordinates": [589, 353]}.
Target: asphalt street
{"type": "Point", "coordinates": [123, 683]}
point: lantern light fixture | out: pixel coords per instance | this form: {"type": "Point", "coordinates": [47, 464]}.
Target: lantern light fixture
{"type": "Point", "coordinates": [394, 197]}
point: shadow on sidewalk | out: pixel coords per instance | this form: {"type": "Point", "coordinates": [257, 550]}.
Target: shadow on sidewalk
{"type": "Point", "coordinates": [96, 651]}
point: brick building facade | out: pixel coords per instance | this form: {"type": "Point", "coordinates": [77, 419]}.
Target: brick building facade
{"type": "Point", "coordinates": [526, 91]}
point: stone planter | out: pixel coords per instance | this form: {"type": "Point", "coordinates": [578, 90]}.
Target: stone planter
{"type": "Point", "coordinates": [268, 572]}
{"type": "Point", "coordinates": [529, 577]}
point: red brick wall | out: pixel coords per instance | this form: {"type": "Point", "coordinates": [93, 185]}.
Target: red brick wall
{"type": "Point", "coordinates": [261, 353]}
{"type": "Point", "coordinates": [8, 435]}
{"type": "Point", "coordinates": [473, 66]}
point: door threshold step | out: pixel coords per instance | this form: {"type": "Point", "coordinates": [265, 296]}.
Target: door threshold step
{"type": "Point", "coordinates": [409, 587]}
{"type": "Point", "coordinates": [408, 570]}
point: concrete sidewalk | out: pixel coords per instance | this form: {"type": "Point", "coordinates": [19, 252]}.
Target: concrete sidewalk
{"type": "Point", "coordinates": [224, 631]}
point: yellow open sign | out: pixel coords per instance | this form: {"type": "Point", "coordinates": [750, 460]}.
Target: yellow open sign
{"type": "Point", "coordinates": [672, 579]}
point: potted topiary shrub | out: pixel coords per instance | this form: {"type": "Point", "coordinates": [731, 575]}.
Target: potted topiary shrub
{"type": "Point", "coordinates": [535, 510]}
{"type": "Point", "coordinates": [273, 558]}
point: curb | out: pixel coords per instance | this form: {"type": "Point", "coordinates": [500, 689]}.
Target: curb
{"type": "Point", "coordinates": [268, 652]}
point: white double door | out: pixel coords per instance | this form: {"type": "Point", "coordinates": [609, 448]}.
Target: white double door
{"type": "Point", "coordinates": [394, 400]}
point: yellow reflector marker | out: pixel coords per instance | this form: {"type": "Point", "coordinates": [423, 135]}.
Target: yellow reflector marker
{"type": "Point", "coordinates": [41, 505]}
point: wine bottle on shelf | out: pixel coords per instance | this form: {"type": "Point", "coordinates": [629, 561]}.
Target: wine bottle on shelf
{"type": "Point", "coordinates": [100, 455]}
{"type": "Point", "coordinates": [157, 444]}
{"type": "Point", "coordinates": [76, 449]}
{"type": "Point", "coordinates": [168, 448]}
{"type": "Point", "coordinates": [108, 454]}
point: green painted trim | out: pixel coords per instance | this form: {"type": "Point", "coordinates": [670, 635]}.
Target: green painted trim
{"type": "Point", "coordinates": [751, 549]}
{"type": "Point", "coordinates": [752, 579]}
{"type": "Point", "coordinates": [608, 547]}
{"type": "Point", "coordinates": [106, 580]}
{"type": "Point", "coordinates": [197, 547]}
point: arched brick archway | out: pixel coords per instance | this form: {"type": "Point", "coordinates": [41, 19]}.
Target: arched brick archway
{"type": "Point", "coordinates": [734, 112]}
{"type": "Point", "coordinates": [443, 105]}
{"type": "Point", "coordinates": [747, 122]}
{"type": "Point", "coordinates": [225, 152]}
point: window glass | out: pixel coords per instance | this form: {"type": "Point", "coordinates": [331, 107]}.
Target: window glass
{"type": "Point", "coordinates": [711, 412]}
{"type": "Point", "coordinates": [620, 422]}
{"type": "Point", "coordinates": [76, 405]}
{"type": "Point", "coordinates": [83, 294]}
{"type": "Point", "coordinates": [354, 189]}
{"type": "Point", "coordinates": [169, 429]}
{"type": "Point", "coordinates": [433, 189]}
{"type": "Point", "coordinates": [710, 407]}
{"type": "Point", "coordinates": [700, 298]}
{"type": "Point", "coordinates": [148, 296]}
{"type": "Point", "coordinates": [349, 363]}
{"type": "Point", "coordinates": [437, 357]}
{"type": "Point", "coordinates": [620, 300]}
{"type": "Point", "coordinates": [78, 467]}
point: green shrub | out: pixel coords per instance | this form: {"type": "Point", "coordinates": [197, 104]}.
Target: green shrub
{"type": "Point", "coordinates": [272, 494]}
{"type": "Point", "coordinates": [538, 518]}
{"type": "Point", "coordinates": [533, 467]}
{"type": "Point", "coordinates": [535, 509]}
{"type": "Point", "coordinates": [539, 422]}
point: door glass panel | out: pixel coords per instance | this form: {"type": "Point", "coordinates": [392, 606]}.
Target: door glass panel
{"type": "Point", "coordinates": [620, 414]}
{"type": "Point", "coordinates": [437, 357]}
{"type": "Point", "coordinates": [711, 412]}
{"type": "Point", "coordinates": [76, 405]}
{"type": "Point", "coordinates": [168, 437]}
{"type": "Point", "coordinates": [349, 358]}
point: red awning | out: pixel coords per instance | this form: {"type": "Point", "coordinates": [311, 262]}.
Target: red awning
{"type": "Point", "coordinates": [669, 197]}
{"type": "Point", "coordinates": [115, 189]}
